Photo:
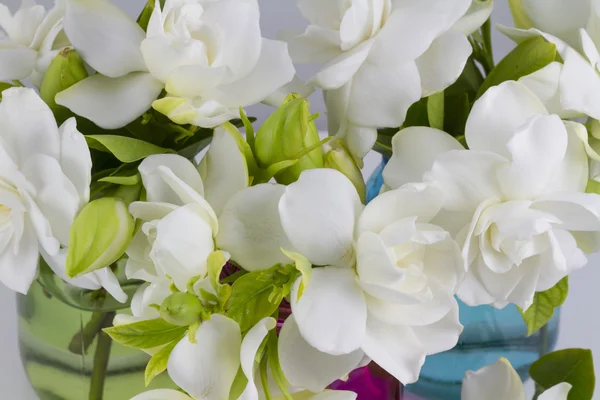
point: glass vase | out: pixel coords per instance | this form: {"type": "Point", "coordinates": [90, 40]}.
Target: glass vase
{"type": "Point", "coordinates": [488, 335]}
{"type": "Point", "coordinates": [64, 351]}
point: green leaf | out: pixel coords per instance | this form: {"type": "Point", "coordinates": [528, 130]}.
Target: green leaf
{"type": "Point", "coordinates": [125, 149]}
{"type": "Point", "coordinates": [574, 366]}
{"type": "Point", "coordinates": [276, 370]}
{"type": "Point", "coordinates": [254, 296]}
{"type": "Point", "coordinates": [239, 385]}
{"type": "Point", "coordinates": [99, 236]}
{"type": "Point", "coordinates": [520, 17]}
{"type": "Point", "coordinates": [303, 266]}
{"type": "Point", "coordinates": [3, 87]}
{"type": "Point", "coordinates": [159, 361]}
{"type": "Point", "coordinates": [124, 180]}
{"type": "Point", "coordinates": [544, 303]}
{"type": "Point", "coordinates": [529, 56]}
{"type": "Point", "coordinates": [435, 110]}
{"type": "Point", "coordinates": [417, 114]}
{"type": "Point", "coordinates": [146, 334]}
{"type": "Point", "coordinates": [215, 263]}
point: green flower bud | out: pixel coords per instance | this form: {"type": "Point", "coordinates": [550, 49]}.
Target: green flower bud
{"type": "Point", "coordinates": [181, 309]}
{"type": "Point", "coordinates": [284, 135]}
{"type": "Point", "coordinates": [99, 236]}
{"type": "Point", "coordinates": [64, 71]}
{"type": "Point", "coordinates": [340, 159]}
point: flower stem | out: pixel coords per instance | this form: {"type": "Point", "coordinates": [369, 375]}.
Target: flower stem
{"type": "Point", "coordinates": [101, 357]}
{"type": "Point", "coordinates": [84, 339]}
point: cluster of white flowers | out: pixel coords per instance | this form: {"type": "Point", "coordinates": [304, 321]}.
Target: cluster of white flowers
{"type": "Point", "coordinates": [492, 218]}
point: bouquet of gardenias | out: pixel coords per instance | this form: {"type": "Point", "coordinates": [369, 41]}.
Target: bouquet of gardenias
{"type": "Point", "coordinates": [263, 273]}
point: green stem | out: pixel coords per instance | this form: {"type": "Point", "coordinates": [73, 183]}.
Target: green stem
{"type": "Point", "coordinates": [488, 56]}
{"type": "Point", "coordinates": [101, 357]}
{"type": "Point", "coordinates": [84, 339]}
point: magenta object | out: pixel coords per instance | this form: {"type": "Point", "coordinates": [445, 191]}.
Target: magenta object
{"type": "Point", "coordinates": [371, 383]}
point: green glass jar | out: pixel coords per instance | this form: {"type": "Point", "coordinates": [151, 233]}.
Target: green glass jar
{"type": "Point", "coordinates": [64, 351]}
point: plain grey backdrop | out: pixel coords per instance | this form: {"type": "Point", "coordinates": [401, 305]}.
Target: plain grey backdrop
{"type": "Point", "coordinates": [580, 324]}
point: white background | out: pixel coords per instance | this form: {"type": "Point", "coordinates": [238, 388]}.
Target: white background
{"type": "Point", "coordinates": [580, 324]}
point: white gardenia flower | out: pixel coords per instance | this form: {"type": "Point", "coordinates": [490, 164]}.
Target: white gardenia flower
{"type": "Point", "coordinates": [45, 174]}
{"type": "Point", "coordinates": [208, 55]}
{"type": "Point", "coordinates": [499, 381]}
{"type": "Point", "coordinates": [516, 200]}
{"type": "Point", "coordinates": [386, 286]}
{"type": "Point", "coordinates": [381, 56]}
{"type": "Point", "coordinates": [30, 38]}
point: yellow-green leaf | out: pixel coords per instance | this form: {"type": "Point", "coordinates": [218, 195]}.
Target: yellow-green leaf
{"type": "Point", "coordinates": [125, 149]}
{"type": "Point", "coordinates": [574, 366]}
{"type": "Point", "coordinates": [544, 303]}
{"type": "Point", "coordinates": [159, 361]}
{"type": "Point", "coordinates": [303, 266]}
{"type": "Point", "coordinates": [146, 334]}
{"type": "Point", "coordinates": [435, 110]}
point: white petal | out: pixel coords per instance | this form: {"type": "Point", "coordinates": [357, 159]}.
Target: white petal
{"type": "Point", "coordinates": [545, 83]}
{"type": "Point", "coordinates": [498, 381]}
{"type": "Point", "coordinates": [250, 228]}
{"type": "Point", "coordinates": [150, 211]}
{"type": "Point", "coordinates": [467, 178]}
{"type": "Point", "coordinates": [419, 201]}
{"type": "Point", "coordinates": [413, 26]}
{"type": "Point", "coordinates": [382, 94]}
{"type": "Point", "coordinates": [558, 392]}
{"type": "Point", "coordinates": [342, 68]}
{"type": "Point", "coordinates": [306, 367]}
{"type": "Point", "coordinates": [332, 291]}
{"type": "Point", "coordinates": [414, 152]}
{"type": "Point", "coordinates": [273, 69]}
{"type": "Point", "coordinates": [19, 262]}
{"type": "Point", "coordinates": [442, 335]}
{"type": "Point", "coordinates": [111, 103]}
{"type": "Point", "coordinates": [58, 264]}
{"type": "Point", "coordinates": [41, 226]}
{"type": "Point", "coordinates": [27, 125]}
{"type": "Point", "coordinates": [207, 368]}
{"type": "Point", "coordinates": [107, 38]}
{"type": "Point", "coordinates": [538, 149]}
{"type": "Point", "coordinates": [444, 61]}
{"type": "Point", "coordinates": [162, 394]}
{"type": "Point", "coordinates": [335, 395]}
{"type": "Point", "coordinates": [162, 57]}
{"type": "Point", "coordinates": [396, 349]}
{"type": "Point", "coordinates": [576, 211]}
{"type": "Point", "coordinates": [360, 140]}
{"type": "Point", "coordinates": [223, 170]}
{"type": "Point", "coordinates": [108, 280]}
{"type": "Point", "coordinates": [478, 13]}
{"type": "Point", "coordinates": [498, 114]}
{"type": "Point", "coordinates": [184, 239]}
{"type": "Point", "coordinates": [16, 63]}
{"type": "Point", "coordinates": [250, 345]}
{"type": "Point", "coordinates": [316, 45]}
{"type": "Point", "coordinates": [75, 159]}
{"type": "Point", "coordinates": [579, 85]}
{"type": "Point", "coordinates": [157, 189]}
{"type": "Point", "coordinates": [318, 213]}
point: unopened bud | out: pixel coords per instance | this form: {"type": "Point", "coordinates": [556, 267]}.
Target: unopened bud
{"type": "Point", "coordinates": [65, 70]}
{"type": "Point", "coordinates": [181, 309]}
{"type": "Point", "coordinates": [339, 158]}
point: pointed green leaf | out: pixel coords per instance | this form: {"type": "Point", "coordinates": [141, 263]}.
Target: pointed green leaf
{"type": "Point", "coordinates": [435, 110]}
{"type": "Point", "coordinates": [528, 57]}
{"type": "Point", "coordinates": [303, 266]}
{"type": "Point", "coordinates": [593, 187]}
{"type": "Point", "coordinates": [544, 303]}
{"type": "Point", "coordinates": [159, 361]}
{"type": "Point", "coordinates": [99, 236]}
{"type": "Point", "coordinates": [276, 370]}
{"type": "Point", "coordinates": [146, 334]}
{"type": "Point", "coordinates": [124, 180]}
{"type": "Point", "coordinates": [125, 149]}
{"type": "Point", "coordinates": [574, 366]}
{"type": "Point", "coordinates": [215, 263]}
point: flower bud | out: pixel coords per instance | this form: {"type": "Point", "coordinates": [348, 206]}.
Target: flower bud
{"type": "Point", "coordinates": [340, 159]}
{"type": "Point", "coordinates": [99, 236]}
{"type": "Point", "coordinates": [181, 309]}
{"type": "Point", "coordinates": [284, 135]}
{"type": "Point", "coordinates": [65, 70]}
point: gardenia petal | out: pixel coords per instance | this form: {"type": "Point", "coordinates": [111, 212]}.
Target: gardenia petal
{"type": "Point", "coordinates": [442, 64]}
{"type": "Point", "coordinates": [250, 228]}
{"type": "Point", "coordinates": [498, 381]}
{"type": "Point", "coordinates": [107, 38]}
{"type": "Point", "coordinates": [414, 151]}
{"type": "Point", "coordinates": [184, 239]}
{"type": "Point", "coordinates": [498, 115]}
{"type": "Point", "coordinates": [19, 262]}
{"type": "Point", "coordinates": [306, 367]}
{"type": "Point", "coordinates": [160, 191]}
{"type": "Point", "coordinates": [342, 69]}
{"type": "Point", "coordinates": [478, 13]}
{"type": "Point", "coordinates": [578, 85]}
{"type": "Point", "coordinates": [75, 159]}
{"type": "Point", "coordinates": [111, 103]}
{"type": "Point", "coordinates": [223, 170]}
{"type": "Point", "coordinates": [321, 228]}
{"type": "Point", "coordinates": [162, 394]}
{"type": "Point", "coordinates": [331, 291]}
{"type": "Point", "coordinates": [207, 369]}
{"type": "Point", "coordinates": [394, 348]}
{"type": "Point", "coordinates": [558, 392]}
{"type": "Point", "coordinates": [335, 395]}
{"type": "Point", "coordinates": [250, 346]}
{"type": "Point", "coordinates": [16, 63]}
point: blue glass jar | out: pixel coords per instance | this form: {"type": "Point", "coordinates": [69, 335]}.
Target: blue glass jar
{"type": "Point", "coordinates": [488, 335]}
